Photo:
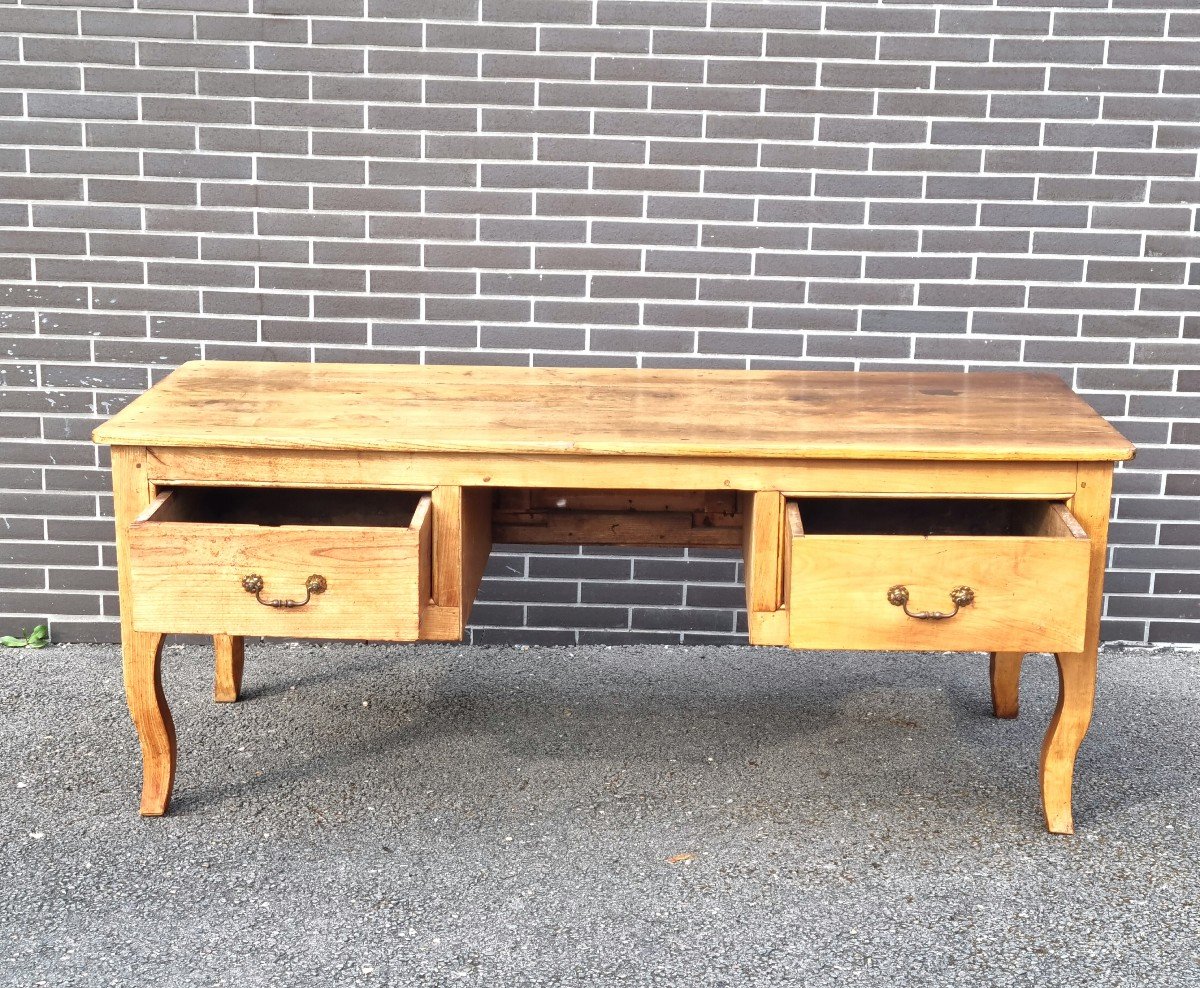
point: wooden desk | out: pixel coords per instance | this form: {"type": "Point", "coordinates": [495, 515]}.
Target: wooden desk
{"type": "Point", "coordinates": [909, 511]}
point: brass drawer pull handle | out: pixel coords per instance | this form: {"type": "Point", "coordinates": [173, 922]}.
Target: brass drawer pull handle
{"type": "Point", "coordinates": [315, 584]}
{"type": "Point", "coordinates": [961, 596]}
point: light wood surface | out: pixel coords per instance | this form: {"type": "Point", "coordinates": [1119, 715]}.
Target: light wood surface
{"type": "Point", "coordinates": [1005, 673]}
{"type": "Point", "coordinates": [1030, 590]}
{"type": "Point", "coordinates": [422, 471]}
{"type": "Point", "coordinates": [141, 652]}
{"type": "Point", "coordinates": [763, 556]}
{"type": "Point", "coordinates": [230, 655]}
{"type": "Point", "coordinates": [483, 410]}
{"type": "Point", "coordinates": [462, 542]}
{"type": "Point", "coordinates": [1077, 670]}
{"type": "Point", "coordinates": [186, 576]}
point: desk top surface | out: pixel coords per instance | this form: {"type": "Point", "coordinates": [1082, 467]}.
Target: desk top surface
{"type": "Point", "coordinates": [505, 410]}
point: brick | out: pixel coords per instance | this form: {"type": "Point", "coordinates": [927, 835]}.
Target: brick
{"type": "Point", "coordinates": [135, 24]}
{"type": "Point", "coordinates": [652, 12]}
{"type": "Point", "coordinates": [985, 132]}
{"type": "Point", "coordinates": [503, 93]}
{"type": "Point", "coordinates": [591, 40]}
{"type": "Point", "coordinates": [762, 72]}
{"type": "Point", "coordinates": [1046, 106]}
{"type": "Point", "coordinates": [477, 310]}
{"type": "Point", "coordinates": [1026, 269]}
{"type": "Point", "coordinates": [868, 186]}
{"type": "Point", "coordinates": [243, 194]}
{"type": "Point", "coordinates": [85, 51]}
{"type": "Point", "coordinates": [1080, 243]}
{"type": "Point", "coordinates": [643, 69]}
{"type": "Point", "coordinates": [858, 345]}
{"type": "Point", "coordinates": [879, 76]}
{"type": "Point", "coordinates": [1124, 325]}
{"type": "Point", "coordinates": [477, 36]}
{"type": "Point", "coordinates": [791, 17]}
{"type": "Point", "coordinates": [757, 127]}
{"type": "Point", "coordinates": [1100, 135]}
{"type": "Point", "coordinates": [1141, 218]}
{"type": "Point", "coordinates": [215, 27]}
{"type": "Point", "coordinates": [261, 140]}
{"type": "Point", "coordinates": [802, 317]}
{"type": "Point", "coordinates": [879, 131]}
{"type": "Point", "coordinates": [706, 42]}
{"type": "Point", "coordinates": [1103, 79]}
{"type": "Point", "coordinates": [752, 343]}
{"type": "Point", "coordinates": [447, 10]}
{"type": "Point", "coordinates": [1173, 52]}
{"type": "Point", "coordinates": [40, 76]}
{"type": "Point", "coordinates": [925, 104]}
{"type": "Point", "coordinates": [89, 106]}
{"type": "Point", "coordinates": [1080, 297]}
{"type": "Point", "coordinates": [994, 22]}
{"type": "Point", "coordinates": [313, 331]}
{"type": "Point", "coordinates": [1152, 108]}
{"type": "Point", "coordinates": [1033, 214]}
{"type": "Point", "coordinates": [934, 48]}
{"type": "Point", "coordinates": [1136, 272]}
{"type": "Point", "coordinates": [643, 287]}
{"type": "Point", "coordinates": [717, 98]}
{"type": "Point", "coordinates": [989, 78]}
{"type": "Point", "coordinates": [552, 231]}
{"type": "Point", "coordinates": [918, 268]}
{"type": "Point", "coordinates": [589, 312]}
{"type": "Point", "coordinates": [1091, 190]}
{"type": "Point", "coordinates": [21, 20]}
{"type": "Point", "coordinates": [349, 32]}
{"type": "Point", "coordinates": [37, 187]}
{"type": "Point", "coordinates": [1048, 51]}
{"type": "Point", "coordinates": [699, 208]}
{"type": "Point", "coordinates": [645, 340]}
{"type": "Point", "coordinates": [89, 270]}
{"type": "Point", "coordinates": [683, 619]}
{"type": "Point", "coordinates": [806, 100]}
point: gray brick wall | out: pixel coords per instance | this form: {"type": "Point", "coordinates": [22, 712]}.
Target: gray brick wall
{"type": "Point", "coordinates": [977, 185]}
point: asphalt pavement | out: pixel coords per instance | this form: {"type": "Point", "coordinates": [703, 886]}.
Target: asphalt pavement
{"type": "Point", "coordinates": [509, 816]}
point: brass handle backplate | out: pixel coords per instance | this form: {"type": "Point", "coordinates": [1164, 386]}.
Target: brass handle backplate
{"type": "Point", "coordinates": [960, 596]}
{"type": "Point", "coordinates": [315, 584]}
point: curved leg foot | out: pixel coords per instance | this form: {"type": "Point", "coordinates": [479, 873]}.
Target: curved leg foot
{"type": "Point", "coordinates": [1076, 693]}
{"type": "Point", "coordinates": [152, 718]}
{"type": "Point", "coordinates": [231, 656]}
{"type": "Point", "coordinates": [1006, 683]}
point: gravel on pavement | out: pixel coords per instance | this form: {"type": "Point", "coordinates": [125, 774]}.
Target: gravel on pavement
{"type": "Point", "coordinates": [625, 815]}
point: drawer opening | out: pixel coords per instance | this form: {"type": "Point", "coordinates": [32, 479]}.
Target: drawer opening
{"type": "Point", "coordinates": [933, 517]}
{"type": "Point", "coordinates": [680, 519]}
{"type": "Point", "coordinates": [278, 507]}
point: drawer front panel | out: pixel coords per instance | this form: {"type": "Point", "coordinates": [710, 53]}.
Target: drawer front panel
{"type": "Point", "coordinates": [187, 578]}
{"type": "Point", "coordinates": [1030, 594]}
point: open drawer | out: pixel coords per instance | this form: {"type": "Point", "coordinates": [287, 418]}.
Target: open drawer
{"type": "Point", "coordinates": [288, 563]}
{"type": "Point", "coordinates": [935, 574]}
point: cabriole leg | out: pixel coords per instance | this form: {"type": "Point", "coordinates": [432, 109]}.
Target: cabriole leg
{"type": "Point", "coordinates": [1076, 693]}
{"type": "Point", "coordinates": [230, 658]}
{"type": "Point", "coordinates": [1077, 670]}
{"type": "Point", "coordinates": [1006, 683]}
{"type": "Point", "coordinates": [151, 716]}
